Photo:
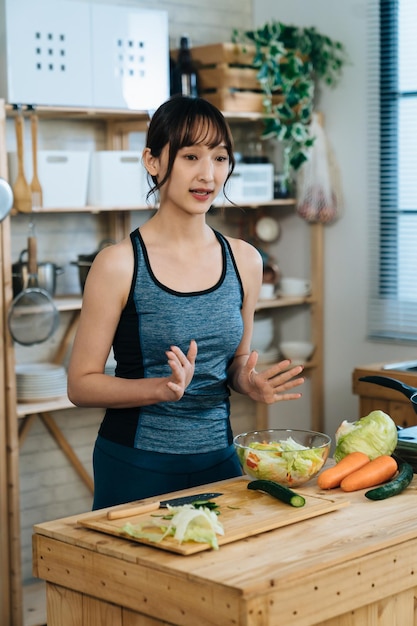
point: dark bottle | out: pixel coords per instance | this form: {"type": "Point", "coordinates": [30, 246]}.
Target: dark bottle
{"type": "Point", "coordinates": [184, 76]}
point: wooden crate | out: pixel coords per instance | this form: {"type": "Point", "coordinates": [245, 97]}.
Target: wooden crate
{"type": "Point", "coordinates": [224, 76]}
{"type": "Point", "coordinates": [231, 101]}
{"type": "Point", "coordinates": [230, 53]}
{"type": "Point", "coordinates": [227, 77]}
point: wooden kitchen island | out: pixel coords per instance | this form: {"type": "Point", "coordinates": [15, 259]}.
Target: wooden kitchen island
{"type": "Point", "coordinates": [354, 566]}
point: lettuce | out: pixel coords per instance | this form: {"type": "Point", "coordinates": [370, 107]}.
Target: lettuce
{"type": "Point", "coordinates": [186, 523]}
{"type": "Point", "coordinates": [374, 435]}
{"type": "Point", "coordinates": [276, 461]}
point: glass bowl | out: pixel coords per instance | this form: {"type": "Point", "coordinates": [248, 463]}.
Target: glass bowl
{"type": "Point", "coordinates": [286, 456]}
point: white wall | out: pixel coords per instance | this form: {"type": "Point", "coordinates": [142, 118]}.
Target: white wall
{"type": "Point", "coordinates": [346, 241]}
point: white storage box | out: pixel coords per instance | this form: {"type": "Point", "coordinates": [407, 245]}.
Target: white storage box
{"type": "Point", "coordinates": [130, 57]}
{"type": "Point", "coordinates": [249, 183]}
{"type": "Point", "coordinates": [45, 52]}
{"type": "Point", "coordinates": [63, 176]}
{"type": "Point", "coordinates": [73, 53]}
{"type": "Point", "coordinates": [117, 179]}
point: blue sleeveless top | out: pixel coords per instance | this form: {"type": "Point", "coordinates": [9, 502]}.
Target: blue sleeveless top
{"type": "Point", "coordinates": [155, 318]}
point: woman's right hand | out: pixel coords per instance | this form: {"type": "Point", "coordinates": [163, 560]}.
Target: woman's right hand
{"type": "Point", "coordinates": [182, 368]}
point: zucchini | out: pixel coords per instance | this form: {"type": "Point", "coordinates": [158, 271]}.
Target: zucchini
{"type": "Point", "coordinates": [278, 491]}
{"type": "Point", "coordinates": [396, 485]}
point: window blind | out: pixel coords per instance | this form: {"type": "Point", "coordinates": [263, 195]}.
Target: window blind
{"type": "Point", "coordinates": [392, 168]}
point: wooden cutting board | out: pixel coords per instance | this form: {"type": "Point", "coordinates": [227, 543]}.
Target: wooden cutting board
{"type": "Point", "coordinates": [243, 513]}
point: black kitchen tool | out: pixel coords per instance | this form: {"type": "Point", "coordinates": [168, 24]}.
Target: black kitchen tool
{"type": "Point", "coordinates": [393, 383]}
{"type": "Point", "coordinates": [147, 507]}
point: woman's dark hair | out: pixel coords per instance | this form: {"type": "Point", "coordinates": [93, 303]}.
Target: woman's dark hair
{"type": "Point", "coordinates": [182, 121]}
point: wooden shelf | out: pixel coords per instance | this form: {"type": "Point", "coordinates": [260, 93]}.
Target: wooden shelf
{"type": "Point", "coordinates": [284, 301]}
{"type": "Point", "coordinates": [68, 303]}
{"type": "Point", "coordinates": [87, 113]}
{"type": "Point", "coordinates": [40, 406]}
{"type": "Point", "coordinates": [88, 209]}
{"type": "Point", "coordinates": [279, 203]}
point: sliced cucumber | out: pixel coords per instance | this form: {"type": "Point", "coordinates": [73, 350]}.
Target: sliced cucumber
{"type": "Point", "coordinates": [278, 491]}
{"type": "Point", "coordinates": [394, 486]}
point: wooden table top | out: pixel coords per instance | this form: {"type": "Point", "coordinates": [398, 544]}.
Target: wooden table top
{"type": "Point", "coordinates": [314, 557]}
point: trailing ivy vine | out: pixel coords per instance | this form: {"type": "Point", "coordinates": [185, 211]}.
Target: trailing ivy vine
{"type": "Point", "coordinates": [290, 61]}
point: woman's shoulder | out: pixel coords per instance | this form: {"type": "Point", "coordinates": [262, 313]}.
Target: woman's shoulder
{"type": "Point", "coordinates": [243, 250]}
{"type": "Point", "coordinates": [115, 257]}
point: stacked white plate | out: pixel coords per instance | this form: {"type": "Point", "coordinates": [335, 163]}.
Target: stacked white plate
{"type": "Point", "coordinates": [40, 381]}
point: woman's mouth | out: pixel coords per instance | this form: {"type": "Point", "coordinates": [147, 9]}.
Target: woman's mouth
{"type": "Point", "coordinates": [201, 194]}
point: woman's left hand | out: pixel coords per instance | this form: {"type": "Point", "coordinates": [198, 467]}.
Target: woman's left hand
{"type": "Point", "coordinates": [271, 385]}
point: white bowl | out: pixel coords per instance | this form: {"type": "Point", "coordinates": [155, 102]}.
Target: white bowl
{"type": "Point", "coordinates": [296, 351]}
{"type": "Point", "coordinates": [295, 286]}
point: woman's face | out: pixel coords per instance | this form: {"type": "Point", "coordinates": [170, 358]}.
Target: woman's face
{"type": "Point", "coordinates": [198, 175]}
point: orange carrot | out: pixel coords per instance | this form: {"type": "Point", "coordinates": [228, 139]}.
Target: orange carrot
{"type": "Point", "coordinates": [333, 476]}
{"type": "Point", "coordinates": [373, 473]}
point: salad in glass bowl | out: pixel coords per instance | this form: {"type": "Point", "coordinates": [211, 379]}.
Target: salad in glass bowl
{"type": "Point", "coordinates": [286, 456]}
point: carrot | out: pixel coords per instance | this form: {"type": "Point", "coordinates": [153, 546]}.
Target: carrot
{"type": "Point", "coordinates": [333, 476]}
{"type": "Point", "coordinates": [373, 473]}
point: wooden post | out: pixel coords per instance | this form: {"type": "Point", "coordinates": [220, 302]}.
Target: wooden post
{"type": "Point", "coordinates": [317, 318]}
{"type": "Point", "coordinates": [11, 596]}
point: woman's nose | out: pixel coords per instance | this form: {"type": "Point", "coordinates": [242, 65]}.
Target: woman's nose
{"type": "Point", "coordinates": [206, 171]}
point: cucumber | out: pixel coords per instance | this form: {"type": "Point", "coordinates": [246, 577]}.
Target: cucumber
{"type": "Point", "coordinates": [278, 491]}
{"type": "Point", "coordinates": [394, 486]}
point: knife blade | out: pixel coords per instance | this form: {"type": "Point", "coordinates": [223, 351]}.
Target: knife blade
{"type": "Point", "coordinates": [160, 504]}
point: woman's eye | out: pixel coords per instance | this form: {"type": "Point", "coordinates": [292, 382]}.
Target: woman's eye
{"type": "Point", "coordinates": [191, 157]}
{"type": "Point", "coordinates": [222, 158]}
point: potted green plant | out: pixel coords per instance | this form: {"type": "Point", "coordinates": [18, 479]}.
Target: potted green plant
{"type": "Point", "coordinates": [290, 62]}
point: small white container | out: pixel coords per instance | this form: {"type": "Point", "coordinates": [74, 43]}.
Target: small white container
{"type": "Point", "coordinates": [249, 183]}
{"type": "Point", "coordinates": [297, 351]}
{"type": "Point", "coordinates": [63, 175]}
{"type": "Point", "coordinates": [117, 179]}
{"type": "Point", "coordinates": [295, 286]}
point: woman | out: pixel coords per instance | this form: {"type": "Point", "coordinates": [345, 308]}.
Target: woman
{"type": "Point", "coordinates": [176, 300]}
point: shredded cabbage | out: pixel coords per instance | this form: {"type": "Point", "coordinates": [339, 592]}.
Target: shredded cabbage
{"type": "Point", "coordinates": [186, 523]}
{"type": "Point", "coordinates": [374, 435]}
{"type": "Point", "coordinates": [275, 460]}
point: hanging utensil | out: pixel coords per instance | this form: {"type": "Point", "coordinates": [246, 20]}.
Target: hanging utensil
{"type": "Point", "coordinates": [6, 199]}
{"type": "Point", "coordinates": [393, 383]}
{"type": "Point", "coordinates": [35, 185]}
{"type": "Point", "coordinates": [21, 189]}
{"type": "Point", "coordinates": [33, 316]}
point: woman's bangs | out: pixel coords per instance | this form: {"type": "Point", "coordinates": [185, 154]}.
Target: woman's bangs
{"type": "Point", "coordinates": [203, 131]}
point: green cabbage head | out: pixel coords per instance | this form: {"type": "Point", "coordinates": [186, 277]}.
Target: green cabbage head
{"type": "Point", "coordinates": [373, 435]}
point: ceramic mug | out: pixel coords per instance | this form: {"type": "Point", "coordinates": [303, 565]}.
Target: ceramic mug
{"type": "Point", "coordinates": [267, 291]}
{"type": "Point", "coordinates": [295, 286]}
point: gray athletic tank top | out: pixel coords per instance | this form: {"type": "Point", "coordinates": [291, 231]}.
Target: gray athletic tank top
{"type": "Point", "coordinates": [155, 318]}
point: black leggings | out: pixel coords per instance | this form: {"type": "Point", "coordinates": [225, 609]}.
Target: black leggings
{"type": "Point", "coordinates": [123, 474]}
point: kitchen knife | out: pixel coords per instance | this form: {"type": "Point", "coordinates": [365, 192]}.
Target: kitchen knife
{"type": "Point", "coordinates": [160, 504]}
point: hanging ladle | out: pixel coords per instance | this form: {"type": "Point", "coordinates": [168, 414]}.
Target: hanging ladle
{"type": "Point", "coordinates": [393, 383]}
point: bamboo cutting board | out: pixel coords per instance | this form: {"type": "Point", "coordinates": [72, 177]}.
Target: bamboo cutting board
{"type": "Point", "coordinates": [243, 513]}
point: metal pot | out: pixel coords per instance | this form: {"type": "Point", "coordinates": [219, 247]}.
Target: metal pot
{"type": "Point", "coordinates": [47, 273]}
{"type": "Point", "coordinates": [85, 261]}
